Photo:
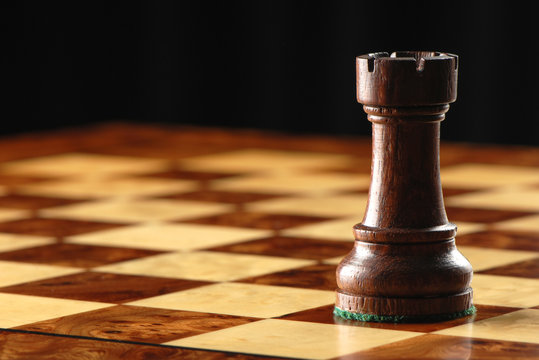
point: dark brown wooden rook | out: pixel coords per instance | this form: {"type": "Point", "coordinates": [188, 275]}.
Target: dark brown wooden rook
{"type": "Point", "coordinates": [404, 261]}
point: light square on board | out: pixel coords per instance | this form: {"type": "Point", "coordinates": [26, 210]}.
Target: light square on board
{"type": "Point", "coordinates": [505, 290]}
{"type": "Point", "coordinates": [136, 210]}
{"type": "Point", "coordinates": [240, 299]}
{"type": "Point", "coordinates": [510, 198]}
{"type": "Point", "coordinates": [81, 164]}
{"type": "Point", "coordinates": [295, 339]}
{"type": "Point", "coordinates": [485, 258]}
{"type": "Point", "coordinates": [263, 160]}
{"type": "Point", "coordinates": [11, 242]}
{"type": "Point", "coordinates": [339, 229]}
{"type": "Point", "coordinates": [169, 237]}
{"type": "Point", "coordinates": [13, 214]}
{"type": "Point", "coordinates": [525, 223]}
{"type": "Point", "coordinates": [521, 326]}
{"type": "Point", "coordinates": [12, 273]}
{"type": "Point", "coordinates": [205, 265]}
{"type": "Point", "coordinates": [464, 228]}
{"type": "Point", "coordinates": [293, 183]}
{"type": "Point", "coordinates": [107, 187]}
{"type": "Point", "coordinates": [19, 310]}
{"type": "Point", "coordinates": [337, 206]}
{"type": "Point", "coordinates": [473, 175]}
{"type": "Point", "coordinates": [334, 260]}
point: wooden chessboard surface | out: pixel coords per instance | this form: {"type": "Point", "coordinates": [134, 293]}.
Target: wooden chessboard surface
{"type": "Point", "coordinates": [141, 242]}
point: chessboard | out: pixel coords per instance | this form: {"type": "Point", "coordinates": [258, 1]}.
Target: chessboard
{"type": "Point", "coordinates": [149, 242]}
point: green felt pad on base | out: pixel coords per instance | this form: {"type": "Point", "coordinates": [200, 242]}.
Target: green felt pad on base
{"type": "Point", "coordinates": [402, 318]}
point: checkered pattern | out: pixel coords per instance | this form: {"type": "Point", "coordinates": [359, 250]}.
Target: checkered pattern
{"type": "Point", "coordinates": [200, 248]}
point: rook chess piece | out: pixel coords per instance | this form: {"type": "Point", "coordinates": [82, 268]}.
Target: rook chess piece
{"type": "Point", "coordinates": [404, 265]}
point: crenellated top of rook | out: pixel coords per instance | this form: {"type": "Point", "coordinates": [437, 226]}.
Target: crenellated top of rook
{"type": "Point", "coordinates": [407, 78]}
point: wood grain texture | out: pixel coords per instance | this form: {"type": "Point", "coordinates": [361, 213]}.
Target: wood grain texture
{"type": "Point", "coordinates": [30, 202]}
{"type": "Point", "coordinates": [83, 256]}
{"type": "Point", "coordinates": [9, 180]}
{"type": "Point", "coordinates": [102, 287]}
{"type": "Point", "coordinates": [257, 220]}
{"type": "Point", "coordinates": [131, 323]}
{"type": "Point", "coordinates": [287, 246]}
{"type": "Point", "coordinates": [202, 176]}
{"type": "Point", "coordinates": [59, 228]}
{"type": "Point", "coordinates": [404, 261]}
{"type": "Point", "coordinates": [318, 276]}
{"type": "Point", "coordinates": [406, 78]}
{"type": "Point", "coordinates": [481, 215]}
{"type": "Point", "coordinates": [448, 347]}
{"type": "Point", "coordinates": [527, 269]}
{"type": "Point", "coordinates": [132, 139]}
{"type": "Point", "coordinates": [27, 346]}
{"type": "Point", "coordinates": [501, 239]}
{"type": "Point", "coordinates": [162, 313]}
{"type": "Point", "coordinates": [227, 197]}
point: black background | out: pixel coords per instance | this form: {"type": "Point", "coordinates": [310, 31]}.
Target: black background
{"type": "Point", "coordinates": [285, 66]}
